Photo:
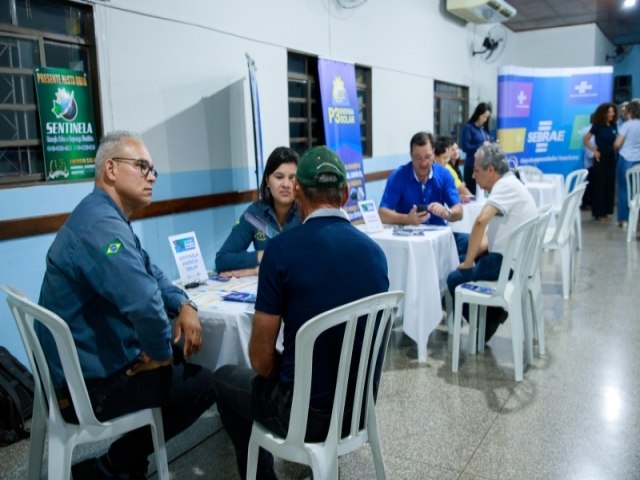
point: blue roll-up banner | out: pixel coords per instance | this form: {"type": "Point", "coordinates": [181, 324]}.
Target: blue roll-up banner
{"type": "Point", "coordinates": [342, 125]}
{"type": "Point", "coordinates": [541, 112]}
{"type": "Point", "coordinates": [257, 126]}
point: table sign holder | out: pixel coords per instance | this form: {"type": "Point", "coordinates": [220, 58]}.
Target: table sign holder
{"type": "Point", "coordinates": [370, 216]}
{"type": "Point", "coordinates": [186, 253]}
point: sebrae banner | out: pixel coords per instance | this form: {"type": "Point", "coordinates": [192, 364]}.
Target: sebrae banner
{"type": "Point", "coordinates": [67, 123]}
{"type": "Point", "coordinates": [542, 112]}
{"type": "Point", "coordinates": [342, 125]}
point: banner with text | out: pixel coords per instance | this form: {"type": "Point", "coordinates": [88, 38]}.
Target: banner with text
{"type": "Point", "coordinates": [342, 125]}
{"type": "Point", "coordinates": [257, 125]}
{"type": "Point", "coordinates": [541, 112]}
{"type": "Point", "coordinates": [67, 123]}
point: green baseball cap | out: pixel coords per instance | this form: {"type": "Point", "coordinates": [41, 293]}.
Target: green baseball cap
{"type": "Point", "coordinates": [317, 161]}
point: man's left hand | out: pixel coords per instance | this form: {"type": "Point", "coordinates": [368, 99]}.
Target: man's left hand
{"type": "Point", "coordinates": [188, 324]}
{"type": "Point", "coordinates": [147, 363]}
{"type": "Point", "coordinates": [440, 210]}
{"type": "Point", "coordinates": [466, 265]}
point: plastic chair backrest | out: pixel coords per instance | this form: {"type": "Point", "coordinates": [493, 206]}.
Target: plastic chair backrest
{"type": "Point", "coordinates": [567, 216]}
{"type": "Point", "coordinates": [26, 313]}
{"type": "Point", "coordinates": [378, 312]}
{"type": "Point", "coordinates": [514, 259]}
{"type": "Point", "coordinates": [541, 228]}
{"type": "Point", "coordinates": [633, 183]}
{"type": "Point", "coordinates": [529, 173]}
{"type": "Point", "coordinates": [575, 178]}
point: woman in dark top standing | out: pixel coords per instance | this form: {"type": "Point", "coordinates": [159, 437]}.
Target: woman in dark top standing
{"type": "Point", "coordinates": [474, 134]}
{"type": "Point", "coordinates": [604, 129]}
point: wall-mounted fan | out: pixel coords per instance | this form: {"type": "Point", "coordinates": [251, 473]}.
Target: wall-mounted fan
{"type": "Point", "coordinates": [618, 55]}
{"type": "Point", "coordinates": [493, 44]}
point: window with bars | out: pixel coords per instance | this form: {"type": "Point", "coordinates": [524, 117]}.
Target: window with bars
{"type": "Point", "coordinates": [451, 109]}
{"type": "Point", "coordinates": [306, 128]}
{"type": "Point", "coordinates": [33, 33]}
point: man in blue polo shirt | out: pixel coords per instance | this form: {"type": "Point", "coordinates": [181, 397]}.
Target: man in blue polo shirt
{"type": "Point", "coordinates": [317, 266]}
{"type": "Point", "coordinates": [420, 191]}
{"type": "Point", "coordinates": [125, 315]}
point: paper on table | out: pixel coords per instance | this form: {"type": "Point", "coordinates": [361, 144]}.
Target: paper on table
{"type": "Point", "coordinates": [188, 258]}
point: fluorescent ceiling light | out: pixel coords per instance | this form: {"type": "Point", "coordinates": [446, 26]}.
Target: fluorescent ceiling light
{"type": "Point", "coordinates": [629, 3]}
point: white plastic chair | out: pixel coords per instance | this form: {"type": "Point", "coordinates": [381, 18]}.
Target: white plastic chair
{"type": "Point", "coordinates": [633, 199]}
{"type": "Point", "coordinates": [561, 237]}
{"type": "Point", "coordinates": [574, 179]}
{"type": "Point", "coordinates": [534, 306]}
{"type": "Point", "coordinates": [323, 456]}
{"type": "Point", "coordinates": [529, 173]}
{"type": "Point", "coordinates": [63, 436]}
{"type": "Point", "coordinates": [507, 293]}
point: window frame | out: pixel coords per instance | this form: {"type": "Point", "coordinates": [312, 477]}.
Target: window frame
{"type": "Point", "coordinates": [461, 97]}
{"type": "Point", "coordinates": [364, 89]}
{"type": "Point", "coordinates": [313, 119]}
{"type": "Point", "coordinates": [41, 37]}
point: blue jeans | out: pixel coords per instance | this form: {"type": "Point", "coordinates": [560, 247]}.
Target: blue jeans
{"type": "Point", "coordinates": [243, 396]}
{"type": "Point", "coordinates": [462, 242]}
{"type": "Point", "coordinates": [621, 177]}
{"type": "Point", "coordinates": [487, 267]}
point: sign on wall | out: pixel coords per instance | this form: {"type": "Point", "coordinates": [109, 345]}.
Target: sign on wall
{"type": "Point", "coordinates": [541, 112]}
{"type": "Point", "coordinates": [67, 123]}
{"type": "Point", "coordinates": [342, 125]}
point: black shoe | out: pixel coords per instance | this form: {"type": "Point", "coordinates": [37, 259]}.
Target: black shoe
{"type": "Point", "coordinates": [492, 324]}
{"type": "Point", "coordinates": [87, 470]}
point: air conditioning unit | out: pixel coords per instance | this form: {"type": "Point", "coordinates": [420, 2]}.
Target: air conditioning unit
{"type": "Point", "coordinates": [481, 11]}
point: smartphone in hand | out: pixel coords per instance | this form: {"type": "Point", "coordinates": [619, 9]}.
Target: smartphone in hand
{"type": "Point", "coordinates": [422, 208]}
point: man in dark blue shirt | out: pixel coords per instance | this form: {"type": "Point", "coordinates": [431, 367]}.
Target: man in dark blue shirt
{"type": "Point", "coordinates": [118, 307]}
{"type": "Point", "coordinates": [322, 264]}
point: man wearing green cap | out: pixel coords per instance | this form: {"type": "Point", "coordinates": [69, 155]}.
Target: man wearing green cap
{"type": "Point", "coordinates": [317, 266]}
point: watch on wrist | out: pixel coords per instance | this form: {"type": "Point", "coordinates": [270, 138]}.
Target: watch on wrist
{"type": "Point", "coordinates": [448, 210]}
{"type": "Point", "coordinates": [189, 302]}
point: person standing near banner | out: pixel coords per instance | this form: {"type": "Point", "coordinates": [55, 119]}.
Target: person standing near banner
{"type": "Point", "coordinates": [628, 145]}
{"type": "Point", "coordinates": [474, 134]}
{"type": "Point", "coordinates": [274, 213]}
{"type": "Point", "coordinates": [604, 129]}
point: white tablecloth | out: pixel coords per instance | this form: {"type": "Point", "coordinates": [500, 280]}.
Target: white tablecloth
{"type": "Point", "coordinates": [226, 326]}
{"type": "Point", "coordinates": [419, 266]}
{"type": "Point", "coordinates": [470, 212]}
{"type": "Point", "coordinates": [548, 192]}
{"type": "Point", "coordinates": [557, 180]}
{"type": "Point", "coordinates": [542, 193]}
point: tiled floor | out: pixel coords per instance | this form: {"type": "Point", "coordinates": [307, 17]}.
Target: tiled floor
{"type": "Point", "coordinates": [575, 415]}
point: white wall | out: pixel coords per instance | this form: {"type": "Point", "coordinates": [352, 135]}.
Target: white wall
{"type": "Point", "coordinates": [576, 46]}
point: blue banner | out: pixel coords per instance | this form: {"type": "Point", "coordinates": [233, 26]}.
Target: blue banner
{"type": "Point", "coordinates": [541, 112]}
{"type": "Point", "coordinates": [342, 125]}
{"type": "Point", "coordinates": [257, 126]}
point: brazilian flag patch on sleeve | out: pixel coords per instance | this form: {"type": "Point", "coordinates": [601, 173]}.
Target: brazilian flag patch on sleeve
{"type": "Point", "coordinates": [114, 247]}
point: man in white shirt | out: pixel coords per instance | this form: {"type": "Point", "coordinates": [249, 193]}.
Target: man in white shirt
{"type": "Point", "coordinates": [509, 204]}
